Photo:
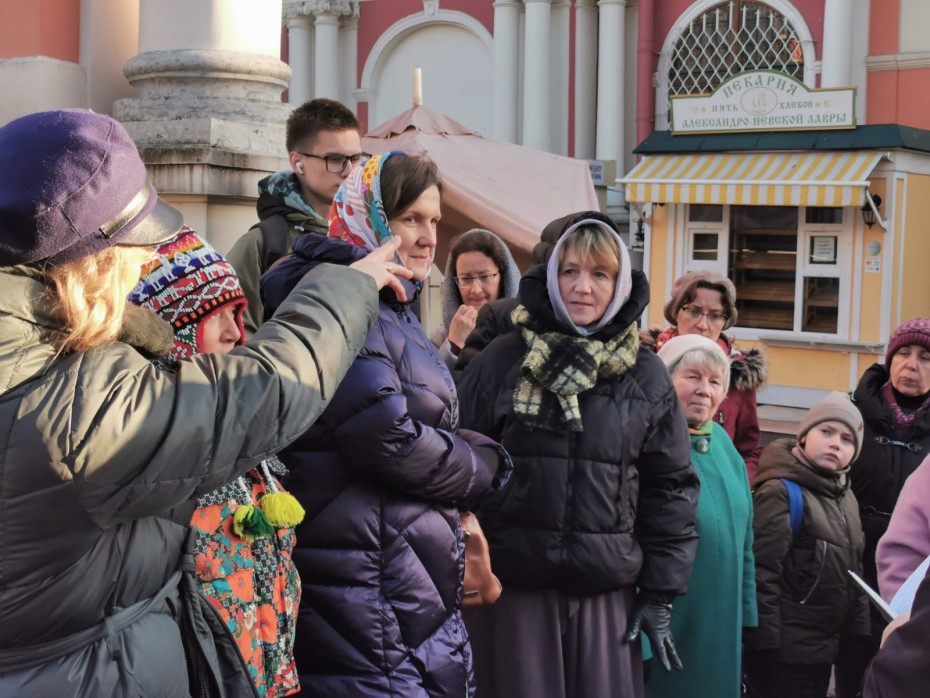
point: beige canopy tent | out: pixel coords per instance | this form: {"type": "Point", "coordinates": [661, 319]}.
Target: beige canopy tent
{"type": "Point", "coordinates": [508, 189]}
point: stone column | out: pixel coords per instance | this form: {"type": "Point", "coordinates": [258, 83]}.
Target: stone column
{"type": "Point", "coordinates": [836, 61]}
{"type": "Point", "coordinates": [300, 55]}
{"type": "Point", "coordinates": [506, 69]}
{"type": "Point", "coordinates": [609, 143]}
{"type": "Point", "coordinates": [208, 118]}
{"type": "Point", "coordinates": [326, 68]}
{"type": "Point", "coordinates": [537, 72]}
{"type": "Point", "coordinates": [559, 94]}
{"type": "Point", "coordinates": [585, 78]}
{"type": "Point", "coordinates": [348, 51]}
{"type": "Point", "coordinates": [323, 56]}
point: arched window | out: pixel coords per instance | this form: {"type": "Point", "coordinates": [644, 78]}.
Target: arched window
{"type": "Point", "coordinates": [729, 38]}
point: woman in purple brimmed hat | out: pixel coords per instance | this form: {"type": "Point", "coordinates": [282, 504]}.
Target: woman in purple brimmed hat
{"type": "Point", "coordinates": [104, 453]}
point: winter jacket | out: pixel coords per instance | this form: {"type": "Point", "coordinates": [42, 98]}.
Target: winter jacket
{"type": "Point", "coordinates": [901, 668]}
{"type": "Point", "coordinates": [886, 461]}
{"type": "Point", "coordinates": [278, 198]}
{"type": "Point", "coordinates": [593, 511]}
{"type": "Point", "coordinates": [807, 600]}
{"type": "Point", "coordinates": [906, 543]}
{"type": "Point", "coordinates": [98, 446]}
{"type": "Point", "coordinates": [722, 588]}
{"type": "Point", "coordinates": [738, 413]}
{"type": "Point", "coordinates": [381, 476]}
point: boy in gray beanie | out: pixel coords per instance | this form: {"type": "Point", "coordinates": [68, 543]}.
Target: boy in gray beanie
{"type": "Point", "coordinates": [807, 535]}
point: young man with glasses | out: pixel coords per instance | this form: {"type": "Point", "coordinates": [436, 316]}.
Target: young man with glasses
{"type": "Point", "coordinates": [324, 147]}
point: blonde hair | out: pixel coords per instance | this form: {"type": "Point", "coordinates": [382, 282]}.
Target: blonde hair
{"type": "Point", "coordinates": [90, 293]}
{"type": "Point", "coordinates": [593, 245]}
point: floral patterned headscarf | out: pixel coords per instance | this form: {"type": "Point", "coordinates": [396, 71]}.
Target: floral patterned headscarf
{"type": "Point", "coordinates": [357, 215]}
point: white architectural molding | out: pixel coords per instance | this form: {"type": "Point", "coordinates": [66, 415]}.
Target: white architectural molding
{"type": "Point", "coordinates": [430, 7]}
{"type": "Point", "coordinates": [787, 9]}
{"type": "Point", "coordinates": [340, 8]}
{"type": "Point", "coordinates": [396, 33]}
{"type": "Point", "coordinates": [898, 61]}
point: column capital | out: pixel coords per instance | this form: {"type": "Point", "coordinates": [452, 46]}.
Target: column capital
{"type": "Point", "coordinates": [604, 3]}
{"type": "Point", "coordinates": [537, 2]}
{"type": "Point", "coordinates": [340, 8]}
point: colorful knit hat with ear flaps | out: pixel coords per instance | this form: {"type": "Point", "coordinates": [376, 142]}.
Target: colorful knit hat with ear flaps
{"type": "Point", "coordinates": [188, 283]}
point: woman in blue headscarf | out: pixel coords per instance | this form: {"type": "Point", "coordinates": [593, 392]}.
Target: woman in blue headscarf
{"type": "Point", "coordinates": [385, 470]}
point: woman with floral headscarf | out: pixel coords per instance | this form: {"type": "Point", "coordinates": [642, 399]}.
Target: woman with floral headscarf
{"type": "Point", "coordinates": [383, 473]}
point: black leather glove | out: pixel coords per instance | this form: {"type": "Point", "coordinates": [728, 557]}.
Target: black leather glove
{"type": "Point", "coordinates": [652, 613]}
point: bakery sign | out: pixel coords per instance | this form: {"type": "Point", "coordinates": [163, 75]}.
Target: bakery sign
{"type": "Point", "coordinates": [763, 100]}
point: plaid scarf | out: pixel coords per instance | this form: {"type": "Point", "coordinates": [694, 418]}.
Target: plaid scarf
{"type": "Point", "coordinates": [557, 367]}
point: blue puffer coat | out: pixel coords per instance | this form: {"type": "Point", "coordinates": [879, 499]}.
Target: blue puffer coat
{"type": "Point", "coordinates": [382, 475]}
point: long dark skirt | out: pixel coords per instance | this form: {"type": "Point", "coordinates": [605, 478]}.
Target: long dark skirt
{"type": "Point", "coordinates": [546, 644]}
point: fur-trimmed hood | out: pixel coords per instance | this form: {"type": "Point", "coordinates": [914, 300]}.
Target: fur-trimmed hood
{"type": "Point", "coordinates": [748, 369]}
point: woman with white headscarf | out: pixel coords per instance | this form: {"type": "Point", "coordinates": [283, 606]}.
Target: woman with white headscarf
{"type": "Point", "coordinates": [593, 537]}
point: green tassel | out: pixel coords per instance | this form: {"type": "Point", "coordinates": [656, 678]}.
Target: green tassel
{"type": "Point", "coordinates": [282, 509]}
{"type": "Point", "coordinates": [249, 523]}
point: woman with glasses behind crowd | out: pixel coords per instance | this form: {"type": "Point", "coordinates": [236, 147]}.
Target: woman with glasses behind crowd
{"type": "Point", "coordinates": [704, 303]}
{"type": "Point", "coordinates": [480, 269]}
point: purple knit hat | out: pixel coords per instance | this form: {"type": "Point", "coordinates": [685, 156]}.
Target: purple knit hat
{"type": "Point", "coordinates": [916, 331]}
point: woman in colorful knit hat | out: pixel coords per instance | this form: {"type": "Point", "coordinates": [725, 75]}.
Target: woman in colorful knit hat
{"type": "Point", "coordinates": [894, 398]}
{"type": "Point", "coordinates": [384, 473]}
{"type": "Point", "coordinates": [243, 532]}
{"type": "Point", "coordinates": [704, 303]}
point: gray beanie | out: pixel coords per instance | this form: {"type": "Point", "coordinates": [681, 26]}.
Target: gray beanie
{"type": "Point", "coordinates": [835, 407]}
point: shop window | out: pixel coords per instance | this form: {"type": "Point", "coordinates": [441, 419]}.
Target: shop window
{"type": "Point", "coordinates": [823, 215]}
{"type": "Point", "coordinates": [731, 38]}
{"type": "Point", "coordinates": [763, 265]}
{"type": "Point", "coordinates": [705, 213]}
{"type": "Point", "coordinates": [821, 305]}
{"type": "Point", "coordinates": [705, 247]}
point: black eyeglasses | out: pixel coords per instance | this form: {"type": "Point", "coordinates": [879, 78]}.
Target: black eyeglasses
{"type": "Point", "coordinates": [483, 279]}
{"type": "Point", "coordinates": [695, 314]}
{"type": "Point", "coordinates": [336, 164]}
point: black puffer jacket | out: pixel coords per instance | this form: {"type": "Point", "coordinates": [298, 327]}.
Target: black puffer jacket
{"type": "Point", "coordinates": [604, 509]}
{"type": "Point", "coordinates": [886, 461]}
{"type": "Point", "coordinates": [806, 598]}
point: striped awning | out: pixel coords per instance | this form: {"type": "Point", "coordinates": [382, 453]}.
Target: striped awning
{"type": "Point", "coordinates": [817, 178]}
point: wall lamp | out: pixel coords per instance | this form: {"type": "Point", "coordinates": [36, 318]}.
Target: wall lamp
{"type": "Point", "coordinates": [870, 214]}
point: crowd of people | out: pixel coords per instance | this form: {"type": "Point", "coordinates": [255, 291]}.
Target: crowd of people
{"type": "Point", "coordinates": [246, 476]}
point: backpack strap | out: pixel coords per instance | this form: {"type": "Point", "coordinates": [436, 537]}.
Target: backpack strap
{"type": "Point", "coordinates": [275, 234]}
{"type": "Point", "coordinates": [795, 506]}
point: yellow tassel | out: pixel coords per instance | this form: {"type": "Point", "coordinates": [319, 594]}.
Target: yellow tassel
{"type": "Point", "coordinates": [250, 523]}
{"type": "Point", "coordinates": [282, 509]}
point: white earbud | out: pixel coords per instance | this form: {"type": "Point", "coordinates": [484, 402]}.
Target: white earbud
{"type": "Point", "coordinates": [300, 167]}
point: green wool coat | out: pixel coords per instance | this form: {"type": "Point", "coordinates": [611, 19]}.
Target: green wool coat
{"type": "Point", "coordinates": [707, 621]}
